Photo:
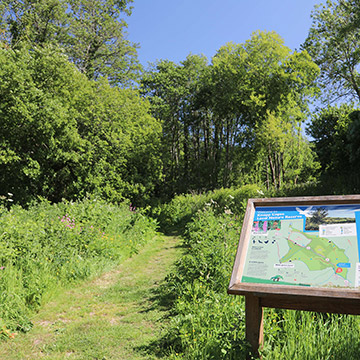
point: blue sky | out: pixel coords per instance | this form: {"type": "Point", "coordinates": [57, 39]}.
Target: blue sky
{"type": "Point", "coordinates": [172, 29]}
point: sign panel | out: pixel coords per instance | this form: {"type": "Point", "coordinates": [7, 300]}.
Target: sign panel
{"type": "Point", "coordinates": [300, 246]}
{"type": "Point", "coordinates": [298, 253]}
{"type": "Point", "coordinates": [304, 246]}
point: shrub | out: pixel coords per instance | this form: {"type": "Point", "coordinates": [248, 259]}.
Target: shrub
{"type": "Point", "coordinates": [179, 211]}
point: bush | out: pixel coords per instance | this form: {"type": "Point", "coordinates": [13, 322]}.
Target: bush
{"type": "Point", "coordinates": [179, 211]}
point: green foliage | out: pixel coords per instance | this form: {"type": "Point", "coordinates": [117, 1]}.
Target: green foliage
{"type": "Point", "coordinates": [333, 42]}
{"type": "Point", "coordinates": [208, 324]}
{"type": "Point", "coordinates": [237, 120]}
{"type": "Point", "coordinates": [265, 94]}
{"type": "Point", "coordinates": [306, 335]}
{"type": "Point", "coordinates": [335, 137]}
{"type": "Point", "coordinates": [38, 135]}
{"type": "Point", "coordinates": [122, 157]}
{"type": "Point", "coordinates": [92, 33]}
{"type": "Point", "coordinates": [180, 210]}
{"type": "Point", "coordinates": [48, 246]}
{"type": "Point", "coordinates": [96, 40]}
{"type": "Point", "coordinates": [172, 90]}
{"type": "Point", "coordinates": [63, 136]}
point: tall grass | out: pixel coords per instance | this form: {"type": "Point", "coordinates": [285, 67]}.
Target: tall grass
{"type": "Point", "coordinates": [47, 246]}
{"type": "Point", "coordinates": [180, 210]}
{"type": "Point", "coordinates": [208, 324]}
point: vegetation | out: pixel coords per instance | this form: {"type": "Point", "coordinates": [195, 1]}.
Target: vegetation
{"type": "Point", "coordinates": [49, 246]}
{"type": "Point", "coordinates": [85, 132]}
{"type": "Point", "coordinates": [209, 324]}
{"type": "Point", "coordinates": [238, 118]}
{"type": "Point", "coordinates": [91, 33]}
{"type": "Point", "coordinates": [333, 43]}
{"type": "Point", "coordinates": [113, 316]}
{"type": "Point", "coordinates": [64, 136]}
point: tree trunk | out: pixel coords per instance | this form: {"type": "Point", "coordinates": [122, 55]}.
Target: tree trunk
{"type": "Point", "coordinates": [272, 168]}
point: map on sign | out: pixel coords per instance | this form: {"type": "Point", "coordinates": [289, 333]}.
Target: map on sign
{"type": "Point", "coordinates": [313, 246]}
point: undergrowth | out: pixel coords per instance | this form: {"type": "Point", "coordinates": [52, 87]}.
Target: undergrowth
{"type": "Point", "coordinates": [47, 246]}
{"type": "Point", "coordinates": [182, 208]}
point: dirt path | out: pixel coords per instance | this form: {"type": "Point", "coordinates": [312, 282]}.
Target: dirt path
{"type": "Point", "coordinates": [115, 316]}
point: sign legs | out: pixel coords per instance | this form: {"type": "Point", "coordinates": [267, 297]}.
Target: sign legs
{"type": "Point", "coordinates": [254, 323]}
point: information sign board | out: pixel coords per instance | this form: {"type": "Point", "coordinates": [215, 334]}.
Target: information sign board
{"type": "Point", "coordinates": [298, 253]}
{"type": "Point", "coordinates": [307, 246]}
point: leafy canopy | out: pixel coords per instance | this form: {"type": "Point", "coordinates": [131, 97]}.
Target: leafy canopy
{"type": "Point", "coordinates": [334, 44]}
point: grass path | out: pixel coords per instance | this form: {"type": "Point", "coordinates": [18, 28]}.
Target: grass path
{"type": "Point", "coordinates": [115, 316]}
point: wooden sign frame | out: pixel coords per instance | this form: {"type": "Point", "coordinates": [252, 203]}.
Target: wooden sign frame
{"type": "Point", "coordinates": [259, 295]}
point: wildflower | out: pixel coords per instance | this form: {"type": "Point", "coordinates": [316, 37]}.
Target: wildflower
{"type": "Point", "coordinates": [231, 197]}
{"type": "Point", "coordinates": [10, 194]}
{"type": "Point", "coordinates": [2, 267]}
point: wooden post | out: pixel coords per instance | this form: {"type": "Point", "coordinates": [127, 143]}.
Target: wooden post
{"type": "Point", "coordinates": [254, 323]}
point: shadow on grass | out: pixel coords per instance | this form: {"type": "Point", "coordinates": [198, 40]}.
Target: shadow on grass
{"type": "Point", "coordinates": [160, 300]}
{"type": "Point", "coordinates": [169, 341]}
{"type": "Point", "coordinates": [348, 350]}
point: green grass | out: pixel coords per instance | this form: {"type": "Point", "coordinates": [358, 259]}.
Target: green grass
{"type": "Point", "coordinates": [114, 316]}
{"type": "Point", "coordinates": [48, 246]}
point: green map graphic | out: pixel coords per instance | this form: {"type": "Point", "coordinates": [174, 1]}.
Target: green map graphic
{"type": "Point", "coordinates": [320, 253]}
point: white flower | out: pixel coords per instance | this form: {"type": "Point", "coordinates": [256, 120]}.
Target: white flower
{"type": "Point", "coordinates": [10, 194]}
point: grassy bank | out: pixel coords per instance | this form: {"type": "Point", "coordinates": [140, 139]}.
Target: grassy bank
{"type": "Point", "coordinates": [49, 246]}
{"type": "Point", "coordinates": [115, 316]}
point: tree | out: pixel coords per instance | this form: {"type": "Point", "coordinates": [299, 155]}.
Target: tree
{"type": "Point", "coordinates": [264, 95]}
{"type": "Point", "coordinates": [172, 90]}
{"type": "Point", "coordinates": [122, 151]}
{"type": "Point", "coordinates": [334, 44]}
{"type": "Point", "coordinates": [236, 120]}
{"type": "Point", "coordinates": [40, 144]}
{"type": "Point", "coordinates": [328, 129]}
{"type": "Point", "coordinates": [96, 40]}
{"type": "Point", "coordinates": [318, 216]}
{"type": "Point", "coordinates": [63, 136]}
{"type": "Point", "coordinates": [33, 21]}
{"type": "Point", "coordinates": [92, 32]}
{"type": "Point", "coordinates": [335, 133]}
